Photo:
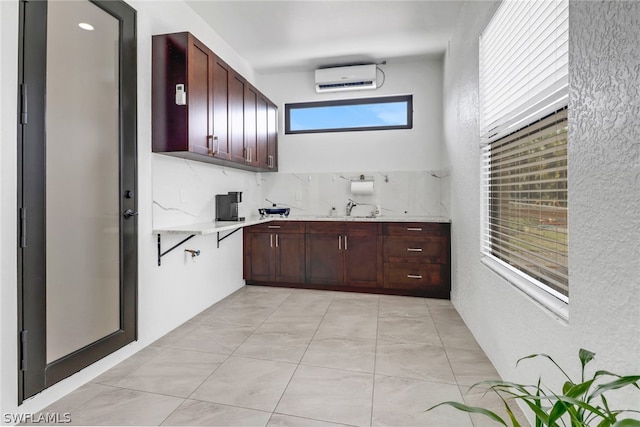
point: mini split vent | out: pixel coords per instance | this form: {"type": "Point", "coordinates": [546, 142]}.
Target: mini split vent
{"type": "Point", "coordinates": [354, 77]}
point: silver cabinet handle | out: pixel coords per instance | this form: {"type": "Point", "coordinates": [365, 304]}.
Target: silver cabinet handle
{"type": "Point", "coordinates": [276, 240]}
{"type": "Point", "coordinates": [414, 249]}
{"type": "Point", "coordinates": [345, 243]}
{"type": "Point", "coordinates": [339, 243]}
{"type": "Point", "coordinates": [270, 161]}
{"type": "Point", "coordinates": [270, 240]}
{"type": "Point", "coordinates": [414, 276]}
{"type": "Point", "coordinates": [414, 229]}
{"type": "Point", "coordinates": [210, 150]}
{"type": "Point", "coordinates": [273, 226]}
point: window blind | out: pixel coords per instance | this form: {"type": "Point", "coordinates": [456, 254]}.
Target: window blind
{"type": "Point", "coordinates": [523, 65]}
{"type": "Point", "coordinates": [525, 186]}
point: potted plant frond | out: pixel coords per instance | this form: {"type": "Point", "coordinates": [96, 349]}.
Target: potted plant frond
{"type": "Point", "coordinates": [579, 403]}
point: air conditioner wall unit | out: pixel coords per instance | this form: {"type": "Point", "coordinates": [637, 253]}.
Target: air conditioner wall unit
{"type": "Point", "coordinates": [353, 77]}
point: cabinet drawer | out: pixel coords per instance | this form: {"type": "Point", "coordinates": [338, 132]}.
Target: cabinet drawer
{"type": "Point", "coordinates": [325, 227]}
{"type": "Point", "coordinates": [343, 227]}
{"type": "Point", "coordinates": [278, 227]}
{"type": "Point", "coordinates": [428, 248]}
{"type": "Point", "coordinates": [415, 229]}
{"type": "Point", "coordinates": [413, 275]}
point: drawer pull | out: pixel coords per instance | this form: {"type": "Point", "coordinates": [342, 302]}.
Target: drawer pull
{"type": "Point", "coordinates": [273, 226]}
{"type": "Point", "coordinates": [414, 229]}
{"type": "Point", "coordinates": [414, 249]}
{"type": "Point", "coordinates": [414, 276]}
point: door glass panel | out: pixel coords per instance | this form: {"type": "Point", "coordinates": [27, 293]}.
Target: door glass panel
{"type": "Point", "coordinates": [82, 177]}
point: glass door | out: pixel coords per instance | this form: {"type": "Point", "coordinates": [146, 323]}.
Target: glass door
{"type": "Point", "coordinates": [78, 256]}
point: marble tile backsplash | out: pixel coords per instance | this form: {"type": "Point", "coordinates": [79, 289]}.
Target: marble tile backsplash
{"type": "Point", "coordinates": [397, 193]}
{"type": "Point", "coordinates": [184, 192]}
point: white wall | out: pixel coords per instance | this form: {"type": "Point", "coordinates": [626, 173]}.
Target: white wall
{"type": "Point", "coordinates": [168, 295]}
{"type": "Point", "coordinates": [604, 222]}
{"type": "Point", "coordinates": [392, 150]}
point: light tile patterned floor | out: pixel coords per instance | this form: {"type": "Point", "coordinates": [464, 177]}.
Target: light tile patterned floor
{"type": "Point", "coordinates": [290, 357]}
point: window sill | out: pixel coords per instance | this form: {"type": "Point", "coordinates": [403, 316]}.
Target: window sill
{"type": "Point", "coordinates": [558, 308]}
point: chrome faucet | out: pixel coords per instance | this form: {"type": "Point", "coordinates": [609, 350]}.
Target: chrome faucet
{"type": "Point", "coordinates": [350, 205]}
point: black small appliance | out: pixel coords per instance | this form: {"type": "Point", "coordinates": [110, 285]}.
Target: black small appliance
{"type": "Point", "coordinates": [227, 206]}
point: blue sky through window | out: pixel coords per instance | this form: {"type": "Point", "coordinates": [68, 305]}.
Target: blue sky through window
{"type": "Point", "coordinates": [350, 116]}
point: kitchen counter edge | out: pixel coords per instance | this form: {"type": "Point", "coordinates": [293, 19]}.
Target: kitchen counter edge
{"type": "Point", "coordinates": [222, 226]}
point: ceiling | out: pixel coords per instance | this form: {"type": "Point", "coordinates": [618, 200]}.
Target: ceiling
{"type": "Point", "coordinates": [300, 35]}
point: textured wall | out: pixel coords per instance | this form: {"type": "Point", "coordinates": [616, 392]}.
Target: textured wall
{"type": "Point", "coordinates": [604, 176]}
{"type": "Point", "coordinates": [604, 192]}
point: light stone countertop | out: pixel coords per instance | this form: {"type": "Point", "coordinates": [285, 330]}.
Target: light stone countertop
{"type": "Point", "coordinates": [222, 226]}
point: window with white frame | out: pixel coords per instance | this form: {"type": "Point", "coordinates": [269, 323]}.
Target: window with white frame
{"type": "Point", "coordinates": [523, 133]}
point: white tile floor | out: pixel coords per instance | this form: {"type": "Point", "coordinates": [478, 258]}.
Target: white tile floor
{"type": "Point", "coordinates": [289, 357]}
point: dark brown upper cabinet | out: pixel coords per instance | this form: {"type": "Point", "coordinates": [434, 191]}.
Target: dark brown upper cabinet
{"type": "Point", "coordinates": [204, 110]}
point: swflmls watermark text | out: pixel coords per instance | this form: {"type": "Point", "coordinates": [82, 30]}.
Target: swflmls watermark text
{"type": "Point", "coordinates": [37, 418]}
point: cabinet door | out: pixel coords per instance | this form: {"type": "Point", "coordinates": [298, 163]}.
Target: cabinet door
{"type": "Point", "coordinates": [250, 126]}
{"type": "Point", "coordinates": [236, 117]}
{"type": "Point", "coordinates": [259, 250]}
{"type": "Point", "coordinates": [261, 133]}
{"type": "Point", "coordinates": [221, 73]}
{"type": "Point", "coordinates": [199, 94]}
{"type": "Point", "coordinates": [289, 264]}
{"type": "Point", "coordinates": [324, 259]}
{"type": "Point", "coordinates": [272, 137]}
{"type": "Point", "coordinates": [363, 260]}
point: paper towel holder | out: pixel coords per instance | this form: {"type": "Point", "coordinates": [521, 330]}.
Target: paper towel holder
{"type": "Point", "coordinates": [362, 178]}
{"type": "Point", "coordinates": [362, 185]}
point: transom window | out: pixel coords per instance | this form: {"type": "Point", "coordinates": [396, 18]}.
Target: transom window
{"type": "Point", "coordinates": [391, 112]}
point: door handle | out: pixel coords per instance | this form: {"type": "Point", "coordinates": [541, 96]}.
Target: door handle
{"type": "Point", "coordinates": [129, 213]}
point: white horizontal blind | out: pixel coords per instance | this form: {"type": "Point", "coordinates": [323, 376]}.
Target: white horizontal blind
{"type": "Point", "coordinates": [525, 184]}
{"type": "Point", "coordinates": [523, 65]}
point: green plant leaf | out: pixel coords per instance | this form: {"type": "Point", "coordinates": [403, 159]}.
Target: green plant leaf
{"type": "Point", "coordinates": [627, 423]}
{"type": "Point", "coordinates": [585, 356]}
{"type": "Point", "coordinates": [472, 409]}
{"type": "Point", "coordinates": [546, 356]}
{"type": "Point", "coordinates": [557, 411]}
{"type": "Point", "coordinates": [600, 373]}
{"type": "Point", "coordinates": [567, 386]}
{"type": "Point", "coordinates": [604, 423]}
{"type": "Point", "coordinates": [619, 383]}
{"type": "Point", "coordinates": [578, 389]}
{"type": "Point", "coordinates": [536, 408]}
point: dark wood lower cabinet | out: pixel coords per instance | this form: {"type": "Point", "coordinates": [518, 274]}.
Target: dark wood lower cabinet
{"type": "Point", "coordinates": [344, 254]}
{"type": "Point", "coordinates": [274, 253]}
{"type": "Point", "coordinates": [376, 257]}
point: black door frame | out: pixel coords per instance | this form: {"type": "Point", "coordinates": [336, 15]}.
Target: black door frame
{"type": "Point", "coordinates": [34, 374]}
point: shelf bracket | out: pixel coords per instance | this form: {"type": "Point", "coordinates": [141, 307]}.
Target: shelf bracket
{"type": "Point", "coordinates": [226, 235]}
{"type": "Point", "coordinates": [161, 254]}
